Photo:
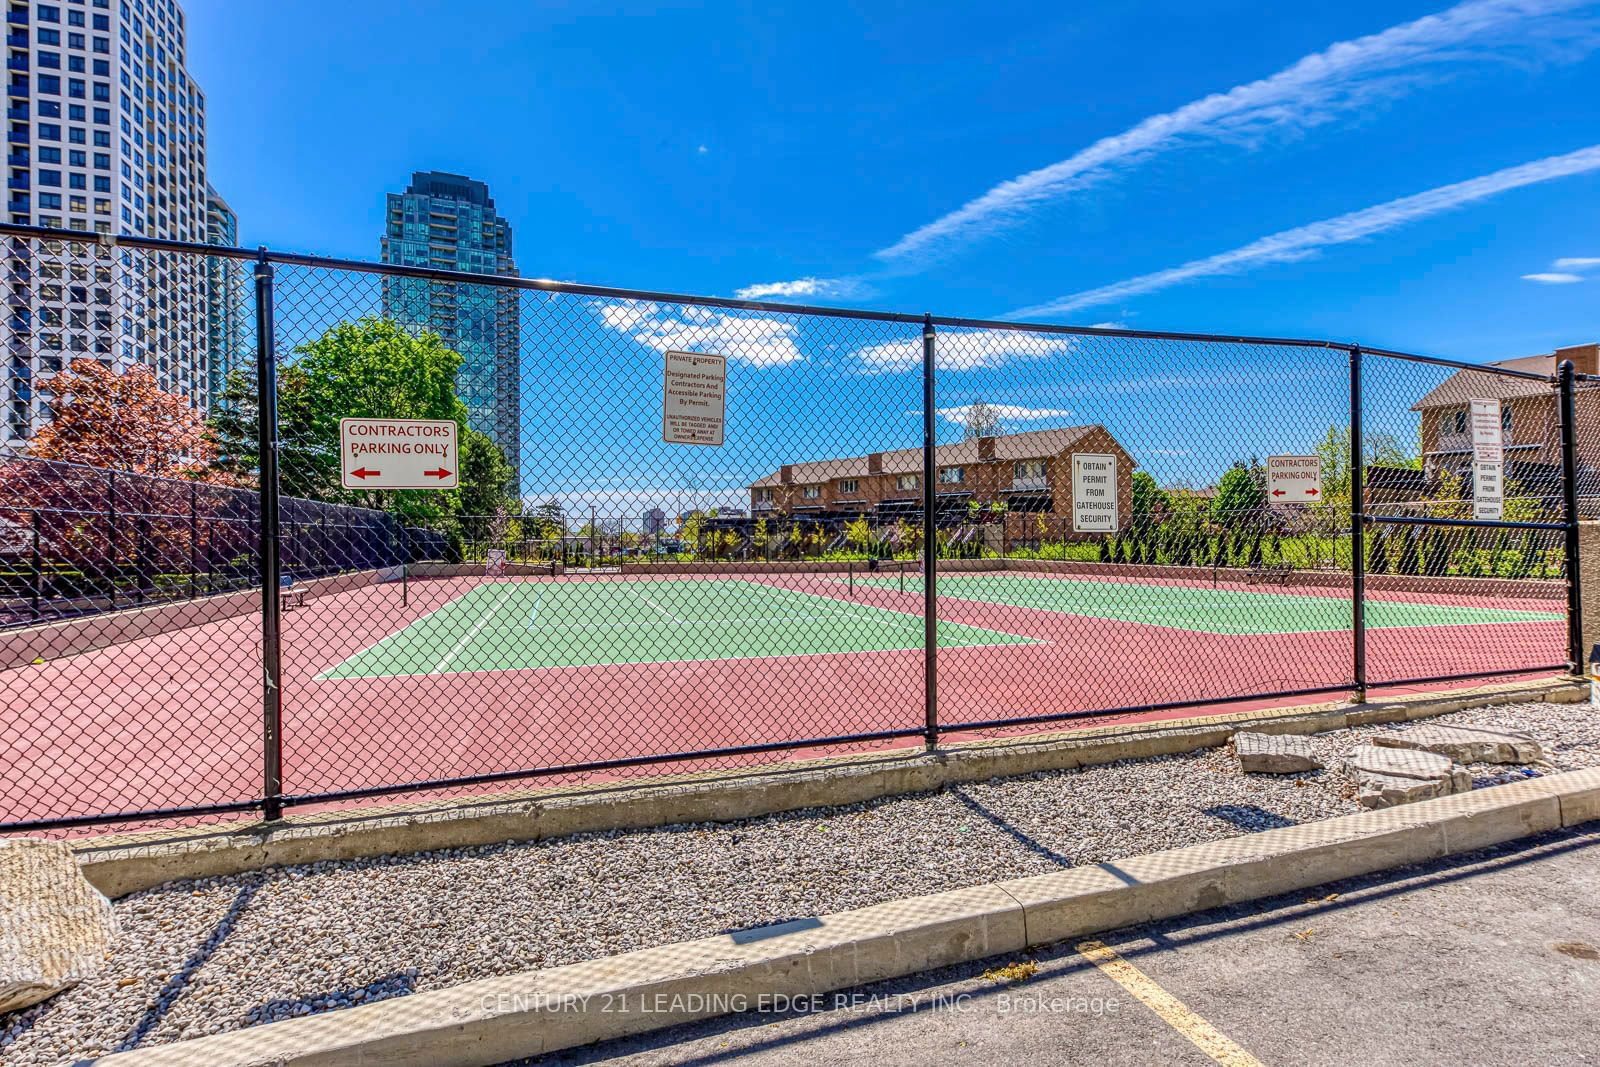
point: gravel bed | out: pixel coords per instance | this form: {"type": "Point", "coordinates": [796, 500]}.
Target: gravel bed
{"type": "Point", "coordinates": [206, 956]}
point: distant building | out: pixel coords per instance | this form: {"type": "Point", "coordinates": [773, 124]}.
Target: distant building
{"type": "Point", "coordinates": [448, 222]}
{"type": "Point", "coordinates": [1027, 477]}
{"type": "Point", "coordinates": [1528, 420]}
{"type": "Point", "coordinates": [106, 134]}
{"type": "Point", "coordinates": [655, 520]}
{"type": "Point", "coordinates": [225, 282]}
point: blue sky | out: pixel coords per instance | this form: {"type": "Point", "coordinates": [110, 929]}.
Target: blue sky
{"type": "Point", "coordinates": [1388, 173]}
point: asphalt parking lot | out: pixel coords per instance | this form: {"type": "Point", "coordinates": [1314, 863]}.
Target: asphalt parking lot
{"type": "Point", "coordinates": [1492, 956]}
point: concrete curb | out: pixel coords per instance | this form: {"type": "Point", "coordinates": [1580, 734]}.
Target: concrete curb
{"type": "Point", "coordinates": [119, 865]}
{"type": "Point", "coordinates": [497, 1019]}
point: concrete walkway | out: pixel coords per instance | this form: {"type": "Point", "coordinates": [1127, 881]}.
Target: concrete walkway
{"type": "Point", "coordinates": [1489, 957]}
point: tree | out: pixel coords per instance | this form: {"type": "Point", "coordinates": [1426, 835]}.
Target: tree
{"type": "Point", "coordinates": [549, 521]}
{"type": "Point", "coordinates": [979, 420]}
{"type": "Point", "coordinates": [125, 422]}
{"type": "Point", "coordinates": [1240, 496]}
{"type": "Point", "coordinates": [486, 485]}
{"type": "Point", "coordinates": [857, 532]}
{"type": "Point", "coordinates": [106, 422]}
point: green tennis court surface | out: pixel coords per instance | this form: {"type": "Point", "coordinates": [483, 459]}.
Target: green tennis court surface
{"type": "Point", "coordinates": [504, 626]}
{"type": "Point", "coordinates": [1202, 609]}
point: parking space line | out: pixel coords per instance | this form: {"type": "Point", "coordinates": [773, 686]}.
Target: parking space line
{"type": "Point", "coordinates": [1174, 1012]}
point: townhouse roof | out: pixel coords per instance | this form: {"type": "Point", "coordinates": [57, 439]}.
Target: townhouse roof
{"type": "Point", "coordinates": [1031, 444]}
{"type": "Point", "coordinates": [1467, 385]}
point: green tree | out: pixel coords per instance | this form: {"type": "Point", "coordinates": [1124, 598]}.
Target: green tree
{"type": "Point", "coordinates": [1240, 497]}
{"type": "Point", "coordinates": [486, 489]}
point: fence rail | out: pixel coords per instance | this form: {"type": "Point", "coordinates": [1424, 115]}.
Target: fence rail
{"type": "Point", "coordinates": [917, 526]}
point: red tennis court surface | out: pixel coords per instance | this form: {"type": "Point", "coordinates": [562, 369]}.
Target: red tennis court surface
{"type": "Point", "coordinates": [174, 720]}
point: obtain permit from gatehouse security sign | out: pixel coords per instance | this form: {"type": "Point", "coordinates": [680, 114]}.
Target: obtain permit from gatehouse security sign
{"type": "Point", "coordinates": [398, 454]}
{"type": "Point", "coordinates": [693, 398]}
{"type": "Point", "coordinates": [1094, 493]}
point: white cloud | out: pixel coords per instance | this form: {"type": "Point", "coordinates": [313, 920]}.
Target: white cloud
{"type": "Point", "coordinates": [1319, 88]}
{"type": "Point", "coordinates": [966, 350]}
{"type": "Point", "coordinates": [815, 287]}
{"type": "Point", "coordinates": [1003, 412]}
{"type": "Point", "coordinates": [702, 150]}
{"type": "Point", "coordinates": [741, 336]}
{"type": "Point", "coordinates": [1108, 326]}
{"type": "Point", "coordinates": [1304, 242]}
{"type": "Point", "coordinates": [1576, 262]}
{"type": "Point", "coordinates": [1553, 278]}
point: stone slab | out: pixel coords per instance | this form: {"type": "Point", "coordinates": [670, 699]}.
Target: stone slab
{"type": "Point", "coordinates": [1466, 744]}
{"type": "Point", "coordinates": [1388, 776]}
{"type": "Point", "coordinates": [55, 928]}
{"type": "Point", "coordinates": [1274, 753]}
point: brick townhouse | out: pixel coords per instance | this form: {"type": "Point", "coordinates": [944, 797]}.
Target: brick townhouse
{"type": "Point", "coordinates": [1528, 419]}
{"type": "Point", "coordinates": [1030, 473]}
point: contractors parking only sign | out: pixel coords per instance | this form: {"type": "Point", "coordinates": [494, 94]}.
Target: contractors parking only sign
{"type": "Point", "coordinates": [693, 394]}
{"type": "Point", "coordinates": [1294, 479]}
{"type": "Point", "coordinates": [398, 454]}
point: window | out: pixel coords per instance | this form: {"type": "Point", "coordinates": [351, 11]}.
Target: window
{"type": "Point", "coordinates": [952, 475]}
{"type": "Point", "coordinates": [763, 496]}
{"type": "Point", "coordinates": [811, 492]}
{"type": "Point", "coordinates": [849, 485]}
{"type": "Point", "coordinates": [1461, 421]}
{"type": "Point", "coordinates": [907, 481]}
{"type": "Point", "coordinates": [1505, 421]}
{"type": "Point", "coordinates": [1028, 470]}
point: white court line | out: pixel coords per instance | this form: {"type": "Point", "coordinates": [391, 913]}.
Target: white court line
{"type": "Point", "coordinates": [439, 667]}
{"type": "Point", "coordinates": [561, 627]}
{"type": "Point", "coordinates": [538, 603]}
{"type": "Point", "coordinates": [653, 604]}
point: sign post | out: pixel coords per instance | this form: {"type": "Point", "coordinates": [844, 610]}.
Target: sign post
{"type": "Point", "coordinates": [1488, 461]}
{"type": "Point", "coordinates": [1294, 479]}
{"type": "Point", "coordinates": [1094, 493]}
{"type": "Point", "coordinates": [398, 454]}
{"type": "Point", "coordinates": [693, 398]}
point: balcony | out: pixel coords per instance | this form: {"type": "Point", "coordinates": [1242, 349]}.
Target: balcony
{"type": "Point", "coordinates": [17, 63]}
{"type": "Point", "coordinates": [17, 39]}
{"type": "Point", "coordinates": [18, 183]}
{"type": "Point", "coordinates": [17, 87]}
{"type": "Point", "coordinates": [17, 18]}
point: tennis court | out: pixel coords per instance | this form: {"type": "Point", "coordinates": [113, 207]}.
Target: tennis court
{"type": "Point", "coordinates": [467, 675]}
{"type": "Point", "coordinates": [521, 625]}
{"type": "Point", "coordinates": [1203, 608]}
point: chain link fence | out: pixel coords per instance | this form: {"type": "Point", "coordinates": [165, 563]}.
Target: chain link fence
{"type": "Point", "coordinates": [892, 529]}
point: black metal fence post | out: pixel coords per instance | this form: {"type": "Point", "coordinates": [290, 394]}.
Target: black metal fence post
{"type": "Point", "coordinates": [1358, 534]}
{"type": "Point", "coordinates": [194, 540]}
{"type": "Point", "coordinates": [271, 565]}
{"type": "Point", "coordinates": [930, 547]}
{"type": "Point", "coordinates": [111, 541]}
{"type": "Point", "coordinates": [38, 570]}
{"type": "Point", "coordinates": [1566, 383]}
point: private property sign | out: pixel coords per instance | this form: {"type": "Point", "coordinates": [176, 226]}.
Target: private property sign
{"type": "Point", "coordinates": [1294, 479]}
{"type": "Point", "coordinates": [693, 394]}
{"type": "Point", "coordinates": [1094, 493]}
{"type": "Point", "coordinates": [398, 454]}
{"type": "Point", "coordinates": [1488, 460]}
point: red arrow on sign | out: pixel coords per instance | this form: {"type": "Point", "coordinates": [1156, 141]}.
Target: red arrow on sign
{"type": "Point", "coordinates": [440, 473]}
{"type": "Point", "coordinates": [1312, 492]}
{"type": "Point", "coordinates": [1277, 492]}
{"type": "Point", "coordinates": [363, 472]}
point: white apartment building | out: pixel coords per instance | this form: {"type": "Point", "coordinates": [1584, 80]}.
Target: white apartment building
{"type": "Point", "coordinates": [105, 133]}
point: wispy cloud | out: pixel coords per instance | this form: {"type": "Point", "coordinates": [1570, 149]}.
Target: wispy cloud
{"type": "Point", "coordinates": [812, 287]}
{"type": "Point", "coordinates": [966, 350]}
{"type": "Point", "coordinates": [760, 342]}
{"type": "Point", "coordinates": [1319, 88]}
{"type": "Point", "coordinates": [1553, 278]}
{"type": "Point", "coordinates": [1303, 242]}
{"type": "Point", "coordinates": [1576, 263]}
{"type": "Point", "coordinates": [1003, 412]}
